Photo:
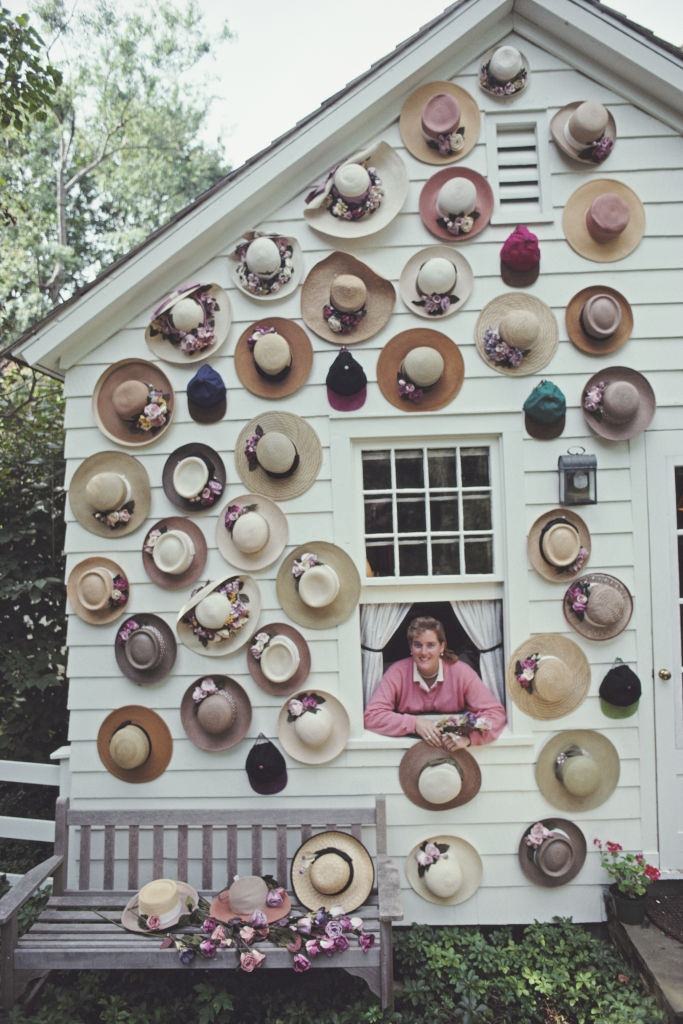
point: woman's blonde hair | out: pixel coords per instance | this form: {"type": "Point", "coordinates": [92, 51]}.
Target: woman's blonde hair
{"type": "Point", "coordinates": [425, 622]}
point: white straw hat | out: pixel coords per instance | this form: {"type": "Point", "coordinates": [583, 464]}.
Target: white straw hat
{"type": "Point", "coordinates": [317, 734]}
{"type": "Point", "coordinates": [451, 877]}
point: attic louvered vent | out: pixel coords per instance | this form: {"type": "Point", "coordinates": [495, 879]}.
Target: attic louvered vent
{"type": "Point", "coordinates": [517, 154]}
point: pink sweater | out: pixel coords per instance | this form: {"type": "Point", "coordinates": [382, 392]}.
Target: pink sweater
{"type": "Point", "coordinates": [398, 699]}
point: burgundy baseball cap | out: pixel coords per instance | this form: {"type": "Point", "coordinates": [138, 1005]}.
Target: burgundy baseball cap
{"type": "Point", "coordinates": [520, 258]}
{"type": "Point", "coordinates": [347, 385]}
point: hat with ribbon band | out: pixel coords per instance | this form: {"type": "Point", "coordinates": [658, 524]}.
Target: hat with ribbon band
{"type": "Point", "coordinates": [585, 131]}
{"type": "Point", "coordinates": [438, 780]}
{"type": "Point", "coordinates": [318, 585]}
{"type": "Point", "coordinates": [548, 676]}
{"type": "Point", "coordinates": [456, 204]}
{"type": "Point", "coordinates": [158, 906]}
{"type": "Point", "coordinates": [552, 852]}
{"type": "Point", "coordinates": [189, 324]}
{"type": "Point", "coordinates": [618, 403]}
{"type": "Point", "coordinates": [134, 744]}
{"type": "Point", "coordinates": [504, 72]}
{"type": "Point", "coordinates": [420, 370]}
{"type": "Point", "coordinates": [599, 320]}
{"type": "Point", "coordinates": [516, 334]}
{"type": "Point", "coordinates": [278, 455]}
{"type": "Point", "coordinates": [267, 266]}
{"type": "Point", "coordinates": [332, 869]}
{"type": "Point", "coordinates": [145, 648]}
{"type": "Point", "coordinates": [273, 357]}
{"type": "Point", "coordinates": [559, 545]}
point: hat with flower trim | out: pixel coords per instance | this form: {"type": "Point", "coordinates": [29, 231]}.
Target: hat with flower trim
{"type": "Point", "coordinates": [332, 869]}
{"type": "Point", "coordinates": [98, 590]}
{"type": "Point", "coordinates": [516, 334]}
{"type": "Point", "coordinates": [618, 403]}
{"type": "Point", "coordinates": [585, 131]}
{"type": "Point", "coordinates": [548, 676]}
{"type": "Point", "coordinates": [577, 770]}
{"type": "Point", "coordinates": [133, 403]}
{"type": "Point", "coordinates": [318, 585]}
{"type": "Point", "coordinates": [313, 726]}
{"type": "Point", "coordinates": [444, 869]}
{"type": "Point", "coordinates": [110, 494]}
{"type": "Point", "coordinates": [456, 204]}
{"type": "Point", "coordinates": [267, 266]}
{"type": "Point", "coordinates": [273, 357]}
{"type": "Point", "coordinates": [248, 896]}
{"type": "Point", "coordinates": [194, 477]}
{"type": "Point", "coordinates": [436, 282]}
{"type": "Point", "coordinates": [440, 123]}
{"type": "Point", "coordinates": [344, 301]}
{"type": "Point", "coordinates": [504, 72]}
{"type": "Point", "coordinates": [598, 606]}
{"type": "Point", "coordinates": [279, 659]}
{"type": "Point", "coordinates": [559, 545]}
{"type": "Point", "coordinates": [420, 370]}
{"type": "Point", "coordinates": [214, 620]}
{"type": "Point", "coordinates": [158, 906]}
{"type": "Point", "coordinates": [174, 552]}
{"type": "Point", "coordinates": [278, 455]}
{"type": "Point", "coordinates": [552, 852]}
{"type": "Point", "coordinates": [251, 531]}
{"type": "Point", "coordinates": [145, 648]}
{"type": "Point", "coordinates": [215, 712]}
{"type": "Point", "coordinates": [189, 324]}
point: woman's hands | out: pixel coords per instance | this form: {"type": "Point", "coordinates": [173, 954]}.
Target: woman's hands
{"type": "Point", "coordinates": [428, 732]}
{"type": "Point", "coordinates": [451, 742]}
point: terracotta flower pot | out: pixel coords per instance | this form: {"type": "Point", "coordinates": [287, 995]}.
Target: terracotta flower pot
{"type": "Point", "coordinates": [627, 909]}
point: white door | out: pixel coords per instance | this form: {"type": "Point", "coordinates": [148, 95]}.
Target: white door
{"type": "Point", "coordinates": [665, 500]}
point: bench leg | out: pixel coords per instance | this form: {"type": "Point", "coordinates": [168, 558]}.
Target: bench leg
{"type": "Point", "coordinates": [370, 976]}
{"type": "Point", "coordinates": [386, 966]}
{"type": "Point", "coordinates": [8, 941]}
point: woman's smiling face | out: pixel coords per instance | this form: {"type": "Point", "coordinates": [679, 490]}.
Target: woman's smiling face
{"type": "Point", "coordinates": [426, 650]}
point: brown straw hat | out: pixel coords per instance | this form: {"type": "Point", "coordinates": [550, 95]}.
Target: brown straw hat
{"type": "Point", "coordinates": [626, 403]}
{"type": "Point", "coordinates": [134, 744]}
{"type": "Point", "coordinates": [98, 590]}
{"type": "Point", "coordinates": [559, 681]}
{"type": "Point", "coordinates": [341, 280]}
{"type": "Point", "coordinates": [273, 357]}
{"type": "Point", "coordinates": [331, 587]}
{"type": "Point", "coordinates": [332, 869]}
{"type": "Point", "coordinates": [524, 323]}
{"type": "Point", "coordinates": [438, 779]}
{"type": "Point", "coordinates": [555, 544]}
{"type": "Point", "coordinates": [215, 712]}
{"type": "Point", "coordinates": [165, 898]}
{"type": "Point", "coordinates": [453, 878]}
{"type": "Point", "coordinates": [145, 648]}
{"type": "Point", "coordinates": [416, 357]}
{"type": "Point", "coordinates": [189, 309]}
{"type": "Point", "coordinates": [555, 859]}
{"type": "Point", "coordinates": [577, 770]}
{"type": "Point", "coordinates": [578, 126]}
{"type": "Point", "coordinates": [122, 394]}
{"type": "Point", "coordinates": [209, 608]}
{"type": "Point", "coordinates": [257, 535]}
{"type": "Point", "coordinates": [313, 737]}
{"type": "Point", "coordinates": [433, 278]}
{"type": "Point", "coordinates": [194, 468]}
{"type": "Point", "coordinates": [603, 209]}
{"type": "Point", "coordinates": [174, 552]}
{"type": "Point", "coordinates": [456, 192]}
{"type": "Point", "coordinates": [244, 897]}
{"type": "Point", "coordinates": [599, 320]}
{"type": "Point", "coordinates": [598, 606]}
{"type": "Point", "coordinates": [292, 453]}
{"type": "Point", "coordinates": [114, 488]}
{"type": "Point", "coordinates": [279, 659]}
{"type": "Point", "coordinates": [440, 108]}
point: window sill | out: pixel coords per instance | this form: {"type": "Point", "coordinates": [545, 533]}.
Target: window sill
{"type": "Point", "coordinates": [374, 741]}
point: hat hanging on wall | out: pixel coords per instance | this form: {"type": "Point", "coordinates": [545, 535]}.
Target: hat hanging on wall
{"type": "Point", "coordinates": [313, 726]}
{"type": "Point", "coordinates": [520, 258]}
{"type": "Point", "coordinates": [189, 324]}
{"type": "Point", "coordinates": [278, 455]}
{"type": "Point", "coordinates": [548, 676]}
{"type": "Point", "coordinates": [620, 691]}
{"type": "Point", "coordinates": [438, 780]}
{"type": "Point", "coordinates": [420, 370]}
{"type": "Point", "coordinates": [206, 395]}
{"type": "Point", "coordinates": [194, 477]}
{"type": "Point", "coordinates": [440, 123]}
{"type": "Point", "coordinates": [247, 896]}
{"type": "Point", "coordinates": [145, 648]}
{"type": "Point", "coordinates": [599, 320]}
{"type": "Point", "coordinates": [456, 204]}
{"type": "Point", "coordinates": [318, 585]}
{"type": "Point", "coordinates": [360, 195]}
{"type": "Point", "coordinates": [98, 590]}
{"type": "Point", "coordinates": [133, 403]}
{"type": "Point", "coordinates": [273, 357]}
{"type": "Point", "coordinates": [267, 266]}
{"type": "Point", "coordinates": [584, 131]}
{"type": "Point", "coordinates": [436, 282]}
{"type": "Point", "coordinates": [603, 220]}
{"type": "Point", "coordinates": [347, 384]}
{"type": "Point", "coordinates": [516, 334]}
{"type": "Point", "coordinates": [215, 712]}
{"type": "Point", "coordinates": [552, 852]}
{"type": "Point", "coordinates": [163, 901]}
{"type": "Point", "coordinates": [577, 770]}
{"type": "Point", "coordinates": [110, 494]}
{"type": "Point", "coordinates": [444, 869]}
{"type": "Point", "coordinates": [545, 411]}
{"type": "Point", "coordinates": [332, 869]}
{"type": "Point", "coordinates": [219, 617]}
{"type": "Point", "coordinates": [559, 545]}
{"type": "Point", "coordinates": [344, 301]}
{"type": "Point", "coordinates": [618, 403]}
{"type": "Point", "coordinates": [504, 72]}
{"type": "Point", "coordinates": [598, 606]}
{"type": "Point", "coordinates": [134, 744]}
{"type": "Point", "coordinates": [174, 552]}
{"type": "Point", "coordinates": [279, 659]}
{"type": "Point", "coordinates": [251, 532]}
{"type": "Point", "coordinates": [265, 767]}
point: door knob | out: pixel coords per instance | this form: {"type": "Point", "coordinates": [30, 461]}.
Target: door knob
{"type": "Point", "coordinates": [664, 674]}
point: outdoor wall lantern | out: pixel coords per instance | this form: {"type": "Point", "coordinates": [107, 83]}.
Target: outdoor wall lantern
{"type": "Point", "coordinates": [578, 474]}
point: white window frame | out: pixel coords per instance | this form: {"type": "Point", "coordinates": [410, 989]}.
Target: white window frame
{"type": "Point", "coordinates": [520, 213]}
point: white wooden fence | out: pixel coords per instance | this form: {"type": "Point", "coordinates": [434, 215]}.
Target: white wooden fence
{"type": "Point", "coordinates": [33, 774]}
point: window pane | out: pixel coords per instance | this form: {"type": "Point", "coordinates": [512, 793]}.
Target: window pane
{"type": "Point", "coordinates": [409, 468]}
{"type": "Point", "coordinates": [443, 467]}
{"type": "Point", "coordinates": [478, 554]}
{"type": "Point", "coordinates": [380, 558]}
{"type": "Point", "coordinates": [476, 511]}
{"type": "Point", "coordinates": [376, 471]}
{"type": "Point", "coordinates": [679, 496]}
{"type": "Point", "coordinates": [680, 566]}
{"type": "Point", "coordinates": [412, 557]}
{"type": "Point", "coordinates": [443, 508]}
{"type": "Point", "coordinates": [378, 515]}
{"type": "Point", "coordinates": [411, 514]}
{"type": "Point", "coordinates": [445, 556]}
{"type": "Point", "coordinates": [475, 467]}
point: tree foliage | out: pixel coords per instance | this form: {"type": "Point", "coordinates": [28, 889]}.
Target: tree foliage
{"type": "Point", "coordinates": [27, 80]}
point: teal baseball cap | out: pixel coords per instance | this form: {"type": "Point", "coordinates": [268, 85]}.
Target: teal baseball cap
{"type": "Point", "coordinates": [545, 411]}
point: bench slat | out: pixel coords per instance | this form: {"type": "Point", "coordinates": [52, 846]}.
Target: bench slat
{"type": "Point", "coordinates": [158, 851]}
{"type": "Point", "coordinates": [207, 856]}
{"type": "Point", "coordinates": [268, 817]}
{"type": "Point", "coordinates": [256, 850]}
{"type": "Point", "coordinates": [182, 853]}
{"type": "Point", "coordinates": [232, 852]}
{"type": "Point", "coordinates": [109, 842]}
{"type": "Point", "coordinates": [282, 855]}
{"type": "Point", "coordinates": [84, 859]}
{"type": "Point", "coordinates": [160, 959]}
{"type": "Point", "coordinates": [133, 853]}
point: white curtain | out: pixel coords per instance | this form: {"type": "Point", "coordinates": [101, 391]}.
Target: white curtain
{"type": "Point", "coordinates": [378, 623]}
{"type": "Point", "coordinates": [483, 622]}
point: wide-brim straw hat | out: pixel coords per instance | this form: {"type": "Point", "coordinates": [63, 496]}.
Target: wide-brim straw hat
{"type": "Point", "coordinates": [315, 294]}
{"type": "Point", "coordinates": [577, 234]}
{"type": "Point", "coordinates": [303, 668]}
{"type": "Point", "coordinates": [104, 615]}
{"type": "Point", "coordinates": [362, 882]}
{"type": "Point", "coordinates": [552, 573]}
{"type": "Point", "coordinates": [202, 451]}
{"type": "Point", "coordinates": [345, 601]}
{"type": "Point", "coordinates": [545, 345]}
{"type": "Point", "coordinates": [300, 368]}
{"type": "Point", "coordinates": [168, 650]}
{"type": "Point", "coordinates": [306, 752]}
{"type": "Point", "coordinates": [106, 417]}
{"type": "Point", "coordinates": [573, 836]}
{"type": "Point", "coordinates": [394, 178]}
{"type": "Point", "coordinates": [241, 718]}
{"type": "Point", "coordinates": [407, 284]}
{"type": "Point", "coordinates": [410, 122]}
{"type": "Point", "coordinates": [110, 462]}
{"type": "Point", "coordinates": [173, 354]}
{"type": "Point", "coordinates": [420, 756]}
{"type": "Point", "coordinates": [307, 444]}
{"type": "Point", "coordinates": [176, 581]}
{"type": "Point", "coordinates": [157, 732]}
{"type": "Point", "coordinates": [395, 351]}
{"type": "Point", "coordinates": [485, 61]}
{"type": "Point", "coordinates": [278, 533]}
{"type": "Point", "coordinates": [429, 195]}
{"type": "Point", "coordinates": [233, 643]}
{"type": "Point", "coordinates": [577, 673]}
{"type": "Point", "coordinates": [647, 404]}
{"type": "Point", "coordinates": [468, 860]}
{"type": "Point", "coordinates": [222, 910]}
{"type": "Point", "coordinates": [287, 288]}
{"type": "Point", "coordinates": [586, 628]}
{"type": "Point", "coordinates": [130, 913]}
{"type": "Point", "coordinates": [599, 748]}
{"type": "Point", "coordinates": [580, 337]}
{"type": "Point", "coordinates": [559, 123]}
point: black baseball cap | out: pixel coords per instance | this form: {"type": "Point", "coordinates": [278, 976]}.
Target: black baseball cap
{"type": "Point", "coordinates": [620, 692]}
{"type": "Point", "coordinates": [265, 767]}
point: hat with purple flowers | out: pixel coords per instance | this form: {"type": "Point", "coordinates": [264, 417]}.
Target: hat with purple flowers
{"type": "Point", "coordinates": [436, 282]}
{"type": "Point", "coordinates": [133, 403]}
{"type": "Point", "coordinates": [440, 123]}
{"type": "Point", "coordinates": [273, 357]}
{"type": "Point", "coordinates": [516, 334]}
{"type": "Point", "coordinates": [110, 494]}
{"type": "Point", "coordinates": [618, 403]}
{"type": "Point", "coordinates": [98, 590]}
{"type": "Point", "coordinates": [585, 131]}
{"type": "Point", "coordinates": [253, 899]}
{"type": "Point", "coordinates": [278, 454]}
{"type": "Point", "coordinates": [598, 606]}
{"type": "Point", "coordinates": [145, 648]}
{"type": "Point", "coordinates": [219, 617]}
{"type": "Point", "coordinates": [251, 532]}
{"type": "Point", "coordinates": [344, 301]}
{"type": "Point", "coordinates": [420, 370]}
{"type": "Point", "coordinates": [318, 585]}
{"type": "Point", "coordinates": [548, 676]}
{"type": "Point", "coordinates": [313, 726]}
{"type": "Point", "coordinates": [189, 324]}
{"type": "Point", "coordinates": [194, 477]}
{"type": "Point", "coordinates": [267, 266]}
{"type": "Point", "coordinates": [444, 869]}
{"type": "Point", "coordinates": [215, 712]}
{"type": "Point", "coordinates": [552, 852]}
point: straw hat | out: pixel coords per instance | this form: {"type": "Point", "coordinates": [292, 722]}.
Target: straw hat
{"type": "Point", "coordinates": [98, 590]}
{"type": "Point", "coordinates": [265, 767]}
{"type": "Point", "coordinates": [599, 320]}
{"type": "Point", "coordinates": [279, 659]}
{"type": "Point", "coordinates": [425, 359]}
{"type": "Point", "coordinates": [577, 770]}
{"type": "Point", "coordinates": [504, 72]}
{"type": "Point", "coordinates": [440, 112]}
{"type": "Point", "coordinates": [164, 898]}
{"type": "Point", "coordinates": [552, 860]}
{"type": "Point", "coordinates": [323, 594]}
{"type": "Point", "coordinates": [375, 173]}
{"type": "Point", "coordinates": [555, 542]}
{"type": "Point", "coordinates": [524, 323]}
{"type": "Point", "coordinates": [206, 395]}
{"type": "Point", "coordinates": [273, 357]}
{"type": "Point", "coordinates": [145, 648]}
{"type": "Point", "coordinates": [604, 603]}
{"type": "Point", "coordinates": [201, 619]}
{"type": "Point", "coordinates": [332, 869]}
{"type": "Point", "coordinates": [190, 315]}
{"type": "Point", "coordinates": [452, 878]}
{"type": "Point", "coordinates": [193, 477]}
{"type": "Point", "coordinates": [246, 896]}
{"type": "Point", "coordinates": [251, 531]}
{"type": "Point", "coordinates": [215, 712]}
{"type": "Point", "coordinates": [110, 488]}
{"type": "Point", "coordinates": [134, 744]}
{"type": "Point", "coordinates": [437, 779]}
{"type": "Point", "coordinates": [436, 282]}
{"type": "Point", "coordinates": [122, 395]}
{"type": "Point", "coordinates": [559, 681]}
{"type": "Point", "coordinates": [286, 455]}
{"type": "Point", "coordinates": [313, 736]}
{"type": "Point", "coordinates": [585, 131]}
{"type": "Point", "coordinates": [625, 403]}
{"type": "Point", "coordinates": [341, 282]}
{"type": "Point", "coordinates": [456, 192]}
{"type": "Point", "coordinates": [174, 552]}
{"type": "Point", "coordinates": [603, 220]}
{"type": "Point", "coordinates": [267, 266]}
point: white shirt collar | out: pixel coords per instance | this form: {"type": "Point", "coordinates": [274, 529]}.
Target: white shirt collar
{"type": "Point", "coordinates": [417, 678]}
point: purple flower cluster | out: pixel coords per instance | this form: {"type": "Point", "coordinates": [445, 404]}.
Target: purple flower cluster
{"type": "Point", "coordinates": [538, 834]}
{"type": "Point", "coordinates": [297, 707]}
{"type": "Point", "coordinates": [598, 150]}
{"type": "Point", "coordinates": [258, 333]}
{"type": "Point", "coordinates": [578, 562]}
{"type": "Point", "coordinates": [592, 398]}
{"type": "Point", "coordinates": [428, 854]}
{"type": "Point", "coordinates": [120, 591]}
{"type": "Point", "coordinates": [577, 595]}
{"type": "Point", "coordinates": [408, 390]}
{"type": "Point", "coordinates": [458, 224]}
{"type": "Point", "coordinates": [342, 323]}
{"type": "Point", "coordinates": [525, 670]}
{"type": "Point", "coordinates": [265, 284]}
{"type": "Point", "coordinates": [449, 142]}
{"type": "Point", "coordinates": [199, 338]}
{"type": "Point", "coordinates": [499, 352]}
{"type": "Point", "coordinates": [328, 933]}
{"type": "Point", "coordinates": [129, 627]}
{"type": "Point", "coordinates": [233, 513]}
{"type": "Point", "coordinates": [250, 446]}
{"type": "Point", "coordinates": [492, 85]}
{"type": "Point", "coordinates": [155, 414]}
{"type": "Point", "coordinates": [117, 517]}
{"type": "Point", "coordinates": [209, 495]}
{"type": "Point", "coordinates": [464, 723]}
{"type": "Point", "coordinates": [363, 207]}
{"type": "Point", "coordinates": [436, 304]}
{"type": "Point", "coordinates": [301, 565]}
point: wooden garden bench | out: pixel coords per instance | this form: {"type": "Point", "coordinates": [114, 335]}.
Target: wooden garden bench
{"type": "Point", "coordinates": [69, 934]}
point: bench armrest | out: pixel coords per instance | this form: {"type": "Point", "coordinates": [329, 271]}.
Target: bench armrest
{"type": "Point", "coordinates": [389, 890]}
{"type": "Point", "coordinates": [14, 900]}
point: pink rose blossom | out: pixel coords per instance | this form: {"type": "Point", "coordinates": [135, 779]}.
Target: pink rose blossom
{"type": "Point", "coordinates": [301, 963]}
{"type": "Point", "coordinates": [251, 959]}
{"type": "Point", "coordinates": [153, 924]}
{"type": "Point", "coordinates": [247, 934]}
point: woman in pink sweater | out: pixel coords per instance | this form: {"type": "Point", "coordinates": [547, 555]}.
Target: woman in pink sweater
{"type": "Point", "coordinates": [432, 682]}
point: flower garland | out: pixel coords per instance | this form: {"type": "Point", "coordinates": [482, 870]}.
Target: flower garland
{"type": "Point", "coordinates": [491, 84]}
{"type": "Point", "coordinates": [448, 142]}
{"type": "Point", "coordinates": [538, 834]}
{"type": "Point", "coordinates": [577, 564]}
{"type": "Point", "coordinates": [265, 284]}
{"type": "Point", "coordinates": [460, 224]}
{"type": "Point", "coordinates": [598, 150]}
{"type": "Point", "coordinates": [593, 396]}
{"type": "Point", "coordinates": [259, 644]}
{"type": "Point", "coordinates": [152, 538]}
{"type": "Point", "coordinates": [342, 323]}
{"type": "Point", "coordinates": [237, 617]}
{"type": "Point", "coordinates": [407, 389]}
{"type": "Point", "coordinates": [499, 352]}
{"type": "Point", "coordinates": [117, 517]}
{"type": "Point", "coordinates": [212, 490]}
{"type": "Point", "coordinates": [199, 338]}
{"type": "Point", "coordinates": [428, 854]}
{"type": "Point", "coordinates": [437, 303]}
{"type": "Point", "coordinates": [525, 670]}
{"type": "Point", "coordinates": [303, 564]}
{"type": "Point", "coordinates": [250, 447]}
{"type": "Point", "coordinates": [463, 724]}
{"type": "Point", "coordinates": [207, 688]}
{"type": "Point", "coordinates": [235, 512]}
{"type": "Point", "coordinates": [296, 708]}
{"type": "Point", "coordinates": [126, 631]}
{"type": "Point", "coordinates": [155, 414]}
{"type": "Point", "coordinates": [120, 591]}
{"type": "Point", "coordinates": [346, 209]}
{"type": "Point", "coordinates": [577, 595]}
